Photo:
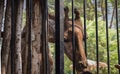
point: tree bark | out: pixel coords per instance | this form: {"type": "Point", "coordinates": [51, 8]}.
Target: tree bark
{"type": "Point", "coordinates": [1, 14]}
{"type": "Point", "coordinates": [6, 37]}
{"type": "Point", "coordinates": [36, 32]}
{"type": "Point", "coordinates": [36, 37]}
{"type": "Point", "coordinates": [37, 62]}
{"type": "Point", "coordinates": [24, 46]}
{"type": "Point", "coordinates": [18, 58]}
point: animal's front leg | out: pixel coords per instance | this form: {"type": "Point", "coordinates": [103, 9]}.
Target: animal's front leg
{"type": "Point", "coordinates": [79, 43]}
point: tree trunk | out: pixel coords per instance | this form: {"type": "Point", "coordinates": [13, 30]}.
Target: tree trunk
{"type": "Point", "coordinates": [1, 14]}
{"type": "Point", "coordinates": [37, 62]}
{"type": "Point", "coordinates": [111, 22]}
{"type": "Point", "coordinates": [6, 37]}
{"type": "Point", "coordinates": [36, 37]}
{"type": "Point", "coordinates": [18, 58]}
{"type": "Point", "coordinates": [24, 44]}
{"type": "Point", "coordinates": [36, 32]}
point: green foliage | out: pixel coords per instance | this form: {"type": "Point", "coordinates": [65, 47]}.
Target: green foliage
{"type": "Point", "coordinates": [91, 44]}
{"type": "Point", "coordinates": [24, 19]}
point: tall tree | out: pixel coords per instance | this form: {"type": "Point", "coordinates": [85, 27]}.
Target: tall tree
{"type": "Point", "coordinates": [6, 37]}
{"type": "Point", "coordinates": [1, 13]}
{"type": "Point", "coordinates": [37, 50]}
{"type": "Point", "coordinates": [36, 32]}
{"type": "Point", "coordinates": [24, 43]}
{"type": "Point", "coordinates": [18, 25]}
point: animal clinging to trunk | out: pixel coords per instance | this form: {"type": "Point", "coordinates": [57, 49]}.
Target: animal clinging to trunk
{"type": "Point", "coordinates": [80, 57]}
{"type": "Point", "coordinates": [80, 60]}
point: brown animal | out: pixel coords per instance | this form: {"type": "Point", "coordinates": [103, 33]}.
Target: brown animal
{"type": "Point", "coordinates": [81, 60]}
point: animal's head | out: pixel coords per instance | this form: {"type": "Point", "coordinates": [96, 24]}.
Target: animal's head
{"type": "Point", "coordinates": [77, 13]}
{"type": "Point", "coordinates": [66, 10]}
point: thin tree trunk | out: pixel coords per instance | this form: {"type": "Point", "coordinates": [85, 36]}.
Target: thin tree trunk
{"type": "Point", "coordinates": [102, 10]}
{"type": "Point", "coordinates": [36, 34]}
{"type": "Point", "coordinates": [18, 58]}
{"type": "Point", "coordinates": [24, 44]}
{"type": "Point", "coordinates": [24, 50]}
{"type": "Point", "coordinates": [6, 37]}
{"type": "Point", "coordinates": [1, 14]}
{"type": "Point", "coordinates": [111, 22]}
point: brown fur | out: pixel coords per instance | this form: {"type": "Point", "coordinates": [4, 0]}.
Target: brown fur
{"type": "Point", "coordinates": [78, 30]}
{"type": "Point", "coordinates": [81, 60]}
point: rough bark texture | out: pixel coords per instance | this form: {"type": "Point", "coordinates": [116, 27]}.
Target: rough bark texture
{"type": "Point", "coordinates": [36, 32]}
{"type": "Point", "coordinates": [18, 58]}
{"type": "Point", "coordinates": [1, 13]}
{"type": "Point", "coordinates": [36, 27]}
{"type": "Point", "coordinates": [6, 37]}
{"type": "Point", "coordinates": [25, 51]}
